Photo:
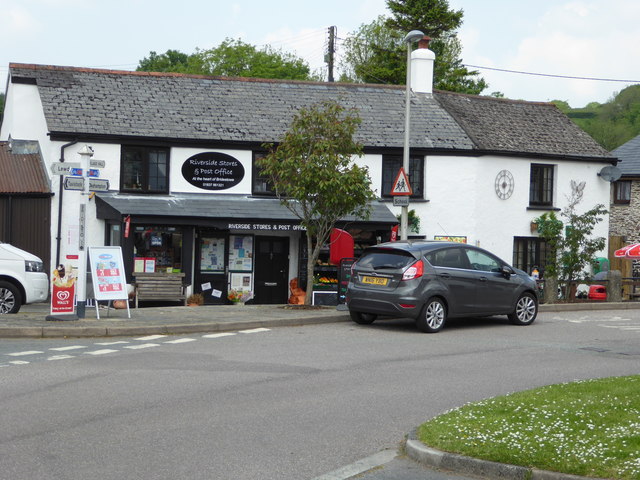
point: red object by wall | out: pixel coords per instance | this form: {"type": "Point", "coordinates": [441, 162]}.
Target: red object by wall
{"type": "Point", "coordinates": [340, 246]}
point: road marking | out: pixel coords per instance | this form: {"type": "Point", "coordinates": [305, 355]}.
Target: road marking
{"type": "Point", "coordinates": [150, 337]}
{"type": "Point", "coordinates": [360, 466]}
{"type": "Point", "coordinates": [255, 330]}
{"type": "Point", "coordinates": [101, 352]}
{"type": "Point", "coordinates": [60, 357]}
{"type": "Point", "coordinates": [64, 349]}
{"type": "Point", "coordinates": [19, 362]}
{"type": "Point", "coordinates": [20, 354]}
{"type": "Point", "coordinates": [218, 335]}
{"type": "Point", "coordinates": [181, 340]}
{"type": "Point", "coordinates": [110, 343]}
{"type": "Point", "coordinates": [144, 345]}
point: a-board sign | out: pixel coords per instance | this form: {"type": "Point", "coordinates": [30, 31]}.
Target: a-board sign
{"type": "Point", "coordinates": [344, 275]}
{"type": "Point", "coordinates": [107, 272]}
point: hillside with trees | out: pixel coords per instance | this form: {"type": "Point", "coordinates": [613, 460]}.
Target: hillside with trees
{"type": "Point", "coordinates": [612, 123]}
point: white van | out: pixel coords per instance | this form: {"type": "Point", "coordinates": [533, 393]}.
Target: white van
{"type": "Point", "coordinates": [22, 279]}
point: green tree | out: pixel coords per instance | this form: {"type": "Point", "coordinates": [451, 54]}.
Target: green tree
{"type": "Point", "coordinates": [170, 61]}
{"type": "Point", "coordinates": [375, 53]}
{"type": "Point", "coordinates": [232, 58]}
{"type": "Point", "coordinates": [314, 176]}
{"type": "Point", "coordinates": [571, 245]}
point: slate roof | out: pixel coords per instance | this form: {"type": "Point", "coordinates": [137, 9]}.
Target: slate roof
{"type": "Point", "coordinates": [629, 155]}
{"type": "Point", "coordinates": [217, 109]}
{"type": "Point", "coordinates": [22, 169]}
{"type": "Point", "coordinates": [245, 208]}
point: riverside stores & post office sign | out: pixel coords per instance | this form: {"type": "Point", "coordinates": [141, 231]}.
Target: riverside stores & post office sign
{"type": "Point", "coordinates": [212, 171]}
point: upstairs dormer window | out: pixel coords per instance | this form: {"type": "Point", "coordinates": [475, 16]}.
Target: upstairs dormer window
{"type": "Point", "coordinates": [144, 169]}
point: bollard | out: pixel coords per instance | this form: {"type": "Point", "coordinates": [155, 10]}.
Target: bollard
{"type": "Point", "coordinates": [614, 286]}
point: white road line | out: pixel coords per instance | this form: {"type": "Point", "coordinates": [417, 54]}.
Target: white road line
{"type": "Point", "coordinates": [21, 354]}
{"type": "Point", "coordinates": [144, 345]}
{"type": "Point", "coordinates": [150, 337]}
{"type": "Point", "coordinates": [218, 335]}
{"type": "Point", "coordinates": [181, 340]}
{"type": "Point", "coordinates": [255, 330]}
{"type": "Point", "coordinates": [19, 362]}
{"type": "Point", "coordinates": [360, 466]}
{"type": "Point", "coordinates": [64, 349]}
{"type": "Point", "coordinates": [110, 343]}
{"type": "Point", "coordinates": [60, 357]}
{"type": "Point", "coordinates": [100, 352]}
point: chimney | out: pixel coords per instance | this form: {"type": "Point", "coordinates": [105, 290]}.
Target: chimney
{"type": "Point", "coordinates": [422, 67]}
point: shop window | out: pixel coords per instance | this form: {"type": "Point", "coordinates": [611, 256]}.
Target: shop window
{"type": "Point", "coordinates": [157, 249]}
{"type": "Point", "coordinates": [622, 192]}
{"type": "Point", "coordinates": [144, 169]}
{"type": "Point", "coordinates": [529, 253]}
{"type": "Point", "coordinates": [541, 185]}
{"type": "Point", "coordinates": [261, 183]}
{"type": "Point", "coordinates": [391, 166]}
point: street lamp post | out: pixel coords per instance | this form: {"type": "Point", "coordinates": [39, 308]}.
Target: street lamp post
{"type": "Point", "coordinates": [411, 37]}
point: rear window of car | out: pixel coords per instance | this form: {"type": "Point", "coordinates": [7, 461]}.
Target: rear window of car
{"type": "Point", "coordinates": [378, 260]}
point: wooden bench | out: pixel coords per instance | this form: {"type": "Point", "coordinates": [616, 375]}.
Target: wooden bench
{"type": "Point", "coordinates": [159, 287]}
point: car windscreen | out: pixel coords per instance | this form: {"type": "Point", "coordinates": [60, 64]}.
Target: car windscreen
{"type": "Point", "coordinates": [389, 259]}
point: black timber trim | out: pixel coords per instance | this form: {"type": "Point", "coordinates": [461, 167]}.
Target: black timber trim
{"type": "Point", "coordinates": [224, 144]}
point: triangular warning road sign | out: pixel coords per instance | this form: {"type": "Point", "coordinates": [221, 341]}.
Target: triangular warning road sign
{"type": "Point", "coordinates": [401, 185]}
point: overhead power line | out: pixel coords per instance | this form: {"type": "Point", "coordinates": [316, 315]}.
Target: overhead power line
{"type": "Point", "coordinates": [550, 75]}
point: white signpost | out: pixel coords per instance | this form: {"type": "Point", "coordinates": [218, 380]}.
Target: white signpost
{"type": "Point", "coordinates": [63, 168]}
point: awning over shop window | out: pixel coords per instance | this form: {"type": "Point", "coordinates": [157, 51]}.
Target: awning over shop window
{"type": "Point", "coordinates": [232, 212]}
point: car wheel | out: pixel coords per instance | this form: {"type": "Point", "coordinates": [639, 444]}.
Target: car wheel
{"type": "Point", "coordinates": [363, 318]}
{"type": "Point", "coordinates": [526, 310]}
{"type": "Point", "coordinates": [10, 300]}
{"type": "Point", "coordinates": [433, 316]}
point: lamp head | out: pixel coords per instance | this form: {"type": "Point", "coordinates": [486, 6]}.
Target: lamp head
{"type": "Point", "coordinates": [413, 36]}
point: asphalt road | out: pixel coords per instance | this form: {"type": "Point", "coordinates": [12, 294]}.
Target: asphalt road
{"type": "Point", "coordinates": [287, 403]}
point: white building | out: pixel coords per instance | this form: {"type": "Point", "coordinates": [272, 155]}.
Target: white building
{"type": "Point", "coordinates": [481, 168]}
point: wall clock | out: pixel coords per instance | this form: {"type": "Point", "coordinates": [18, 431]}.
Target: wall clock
{"type": "Point", "coordinates": [504, 184]}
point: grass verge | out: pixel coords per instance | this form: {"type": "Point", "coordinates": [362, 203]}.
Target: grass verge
{"type": "Point", "coordinates": [589, 428]}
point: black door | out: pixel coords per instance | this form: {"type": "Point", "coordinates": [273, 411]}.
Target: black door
{"type": "Point", "coordinates": [272, 270]}
{"type": "Point", "coordinates": [210, 277]}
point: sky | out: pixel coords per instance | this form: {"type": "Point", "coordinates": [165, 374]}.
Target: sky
{"type": "Point", "coordinates": [593, 39]}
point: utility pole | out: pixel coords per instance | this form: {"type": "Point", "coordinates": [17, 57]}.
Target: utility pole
{"type": "Point", "coordinates": [329, 58]}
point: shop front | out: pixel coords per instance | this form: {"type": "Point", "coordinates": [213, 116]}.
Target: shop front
{"type": "Point", "coordinates": [221, 245]}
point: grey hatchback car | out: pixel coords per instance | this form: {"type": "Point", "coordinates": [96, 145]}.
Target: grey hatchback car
{"type": "Point", "coordinates": [431, 281]}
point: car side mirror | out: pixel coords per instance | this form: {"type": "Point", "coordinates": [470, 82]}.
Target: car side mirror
{"type": "Point", "coordinates": [507, 271]}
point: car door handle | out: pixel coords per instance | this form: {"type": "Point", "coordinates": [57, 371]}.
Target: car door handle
{"type": "Point", "coordinates": [483, 279]}
{"type": "Point", "coordinates": [445, 275]}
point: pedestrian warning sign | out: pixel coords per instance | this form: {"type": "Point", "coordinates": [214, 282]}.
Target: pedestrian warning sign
{"type": "Point", "coordinates": [401, 185]}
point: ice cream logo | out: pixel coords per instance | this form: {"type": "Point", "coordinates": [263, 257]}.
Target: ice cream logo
{"type": "Point", "coordinates": [63, 295]}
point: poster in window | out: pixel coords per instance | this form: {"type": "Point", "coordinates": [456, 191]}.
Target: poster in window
{"type": "Point", "coordinates": [107, 271]}
{"type": "Point", "coordinates": [241, 253]}
{"type": "Point", "coordinates": [212, 254]}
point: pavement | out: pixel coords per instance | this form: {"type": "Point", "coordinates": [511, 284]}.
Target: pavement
{"type": "Point", "coordinates": [35, 321]}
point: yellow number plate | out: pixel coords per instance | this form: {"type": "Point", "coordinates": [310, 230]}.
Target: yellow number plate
{"type": "Point", "coordinates": [375, 280]}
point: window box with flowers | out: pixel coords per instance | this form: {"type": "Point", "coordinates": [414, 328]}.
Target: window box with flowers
{"type": "Point", "coordinates": [239, 297]}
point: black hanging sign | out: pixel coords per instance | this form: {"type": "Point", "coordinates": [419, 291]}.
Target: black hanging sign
{"type": "Point", "coordinates": [212, 171]}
